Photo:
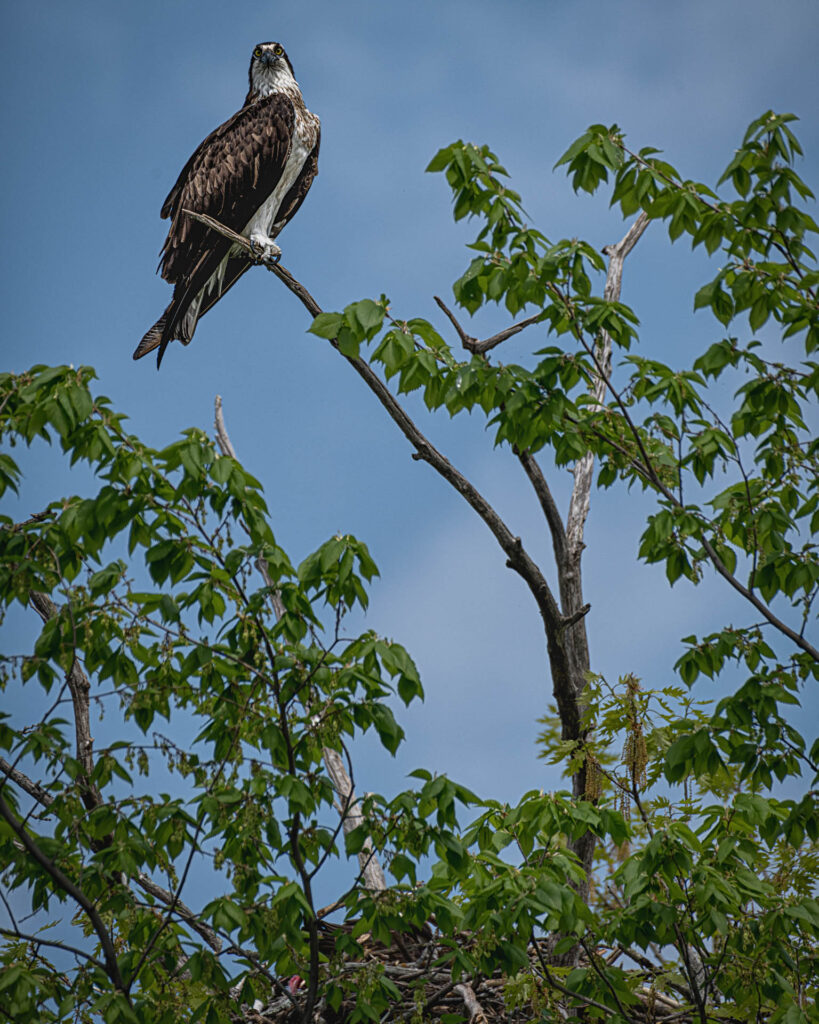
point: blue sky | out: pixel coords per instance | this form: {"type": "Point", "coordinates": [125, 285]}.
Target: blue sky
{"type": "Point", "coordinates": [105, 102]}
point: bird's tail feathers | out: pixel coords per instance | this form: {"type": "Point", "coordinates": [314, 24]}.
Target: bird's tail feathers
{"type": "Point", "coordinates": [183, 314]}
{"type": "Point", "coordinates": [167, 328]}
{"type": "Point", "coordinates": [152, 338]}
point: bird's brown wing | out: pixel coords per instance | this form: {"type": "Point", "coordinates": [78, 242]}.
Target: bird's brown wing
{"type": "Point", "coordinates": [228, 177]}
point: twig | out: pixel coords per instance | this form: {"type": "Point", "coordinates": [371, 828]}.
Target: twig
{"type": "Point", "coordinates": [479, 347]}
{"type": "Point", "coordinates": [602, 976]}
{"type": "Point", "coordinates": [9, 911]}
{"type": "Point", "coordinates": [467, 340]}
{"type": "Point", "coordinates": [547, 504]}
{"type": "Point", "coordinates": [80, 688]}
{"type": "Point", "coordinates": [26, 784]}
{"type": "Point", "coordinates": [777, 623]}
{"type": "Point", "coordinates": [436, 997]}
{"type": "Point", "coordinates": [184, 912]}
{"type": "Point", "coordinates": [226, 448]}
{"type": "Point", "coordinates": [550, 978]}
{"type": "Point", "coordinates": [234, 236]}
{"type": "Point", "coordinates": [53, 944]}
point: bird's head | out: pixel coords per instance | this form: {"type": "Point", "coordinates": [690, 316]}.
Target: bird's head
{"type": "Point", "coordinates": [270, 70]}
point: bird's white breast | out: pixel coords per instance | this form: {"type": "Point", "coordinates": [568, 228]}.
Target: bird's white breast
{"type": "Point", "coordinates": [280, 79]}
{"type": "Point", "coordinates": [264, 221]}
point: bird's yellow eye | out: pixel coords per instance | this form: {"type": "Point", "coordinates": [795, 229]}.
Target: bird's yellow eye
{"type": "Point", "coordinates": [278, 51]}
{"type": "Point", "coordinates": [257, 52]}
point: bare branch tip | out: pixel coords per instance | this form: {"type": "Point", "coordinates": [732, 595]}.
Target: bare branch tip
{"type": "Point", "coordinates": [222, 437]}
{"type": "Point", "coordinates": [467, 340]}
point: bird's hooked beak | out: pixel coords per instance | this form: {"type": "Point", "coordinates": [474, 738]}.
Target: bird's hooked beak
{"type": "Point", "coordinates": [267, 59]}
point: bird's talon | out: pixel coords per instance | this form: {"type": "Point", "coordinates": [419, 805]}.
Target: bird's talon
{"type": "Point", "coordinates": [264, 250]}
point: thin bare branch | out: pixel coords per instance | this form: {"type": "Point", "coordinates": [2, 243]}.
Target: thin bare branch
{"type": "Point", "coordinates": [80, 689]}
{"type": "Point", "coordinates": [547, 503]}
{"type": "Point", "coordinates": [554, 983]}
{"type": "Point", "coordinates": [9, 911]}
{"type": "Point", "coordinates": [763, 609]}
{"type": "Point", "coordinates": [234, 236]}
{"type": "Point", "coordinates": [53, 944]}
{"type": "Point", "coordinates": [602, 976]}
{"type": "Point", "coordinates": [25, 783]}
{"type": "Point", "coordinates": [226, 448]}
{"type": "Point", "coordinates": [467, 340]}
{"type": "Point", "coordinates": [479, 347]}
{"type": "Point", "coordinates": [243, 243]}
{"type": "Point", "coordinates": [184, 912]}
{"type": "Point", "coordinates": [508, 332]}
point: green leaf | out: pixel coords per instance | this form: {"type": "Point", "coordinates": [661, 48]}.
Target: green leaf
{"type": "Point", "coordinates": [327, 325]}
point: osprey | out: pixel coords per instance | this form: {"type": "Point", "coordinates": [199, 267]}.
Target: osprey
{"type": "Point", "coordinates": [251, 174]}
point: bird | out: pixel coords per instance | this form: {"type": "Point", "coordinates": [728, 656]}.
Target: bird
{"type": "Point", "coordinates": [251, 174]}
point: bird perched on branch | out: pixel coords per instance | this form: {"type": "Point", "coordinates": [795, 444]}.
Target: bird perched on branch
{"type": "Point", "coordinates": [251, 175]}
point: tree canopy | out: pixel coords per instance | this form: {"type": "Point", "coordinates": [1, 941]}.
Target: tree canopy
{"type": "Point", "coordinates": [675, 875]}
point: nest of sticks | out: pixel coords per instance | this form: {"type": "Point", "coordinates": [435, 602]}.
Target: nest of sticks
{"type": "Point", "coordinates": [413, 965]}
